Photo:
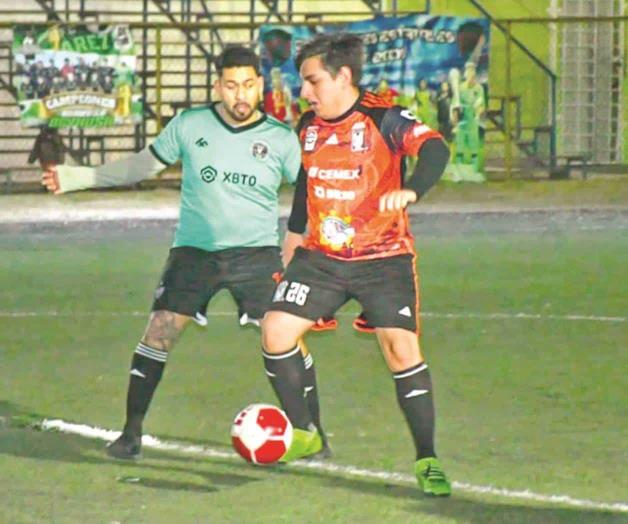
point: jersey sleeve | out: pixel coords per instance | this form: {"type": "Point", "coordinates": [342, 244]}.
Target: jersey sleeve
{"type": "Point", "coordinates": [403, 132]}
{"type": "Point", "coordinates": [167, 146]}
{"type": "Point", "coordinates": [291, 160]}
{"type": "Point", "coordinates": [297, 221]}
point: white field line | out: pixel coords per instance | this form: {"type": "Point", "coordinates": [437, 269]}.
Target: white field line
{"type": "Point", "coordinates": [425, 314]}
{"type": "Point", "coordinates": [56, 211]}
{"type": "Point", "coordinates": [388, 476]}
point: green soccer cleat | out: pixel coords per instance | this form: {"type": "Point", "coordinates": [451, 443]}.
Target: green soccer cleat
{"type": "Point", "coordinates": [431, 477]}
{"type": "Point", "coordinates": [304, 444]}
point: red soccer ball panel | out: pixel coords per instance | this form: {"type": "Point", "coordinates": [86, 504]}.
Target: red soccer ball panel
{"type": "Point", "coordinates": [242, 450]}
{"type": "Point", "coordinates": [273, 421]}
{"type": "Point", "coordinates": [270, 452]}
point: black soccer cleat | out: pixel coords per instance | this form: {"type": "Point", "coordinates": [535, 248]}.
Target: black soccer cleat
{"type": "Point", "coordinates": [125, 447]}
{"type": "Point", "coordinates": [325, 452]}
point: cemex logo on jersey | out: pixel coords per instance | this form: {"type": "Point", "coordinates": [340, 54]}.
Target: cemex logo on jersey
{"type": "Point", "coordinates": [334, 174]}
{"type": "Point", "coordinates": [201, 142]}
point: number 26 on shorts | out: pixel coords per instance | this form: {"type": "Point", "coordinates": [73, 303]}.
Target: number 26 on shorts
{"type": "Point", "coordinates": [297, 293]}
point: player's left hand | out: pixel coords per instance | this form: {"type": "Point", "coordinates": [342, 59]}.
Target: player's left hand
{"type": "Point", "coordinates": [50, 179]}
{"type": "Point", "coordinates": [396, 200]}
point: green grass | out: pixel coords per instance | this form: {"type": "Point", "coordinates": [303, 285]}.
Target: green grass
{"type": "Point", "coordinates": [522, 404]}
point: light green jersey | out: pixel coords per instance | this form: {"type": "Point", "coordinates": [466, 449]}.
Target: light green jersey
{"type": "Point", "coordinates": [231, 177]}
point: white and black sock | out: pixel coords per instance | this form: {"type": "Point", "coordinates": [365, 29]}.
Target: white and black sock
{"type": "Point", "coordinates": [311, 393]}
{"type": "Point", "coordinates": [414, 394]}
{"type": "Point", "coordinates": [286, 374]}
{"type": "Point", "coordinates": [147, 368]}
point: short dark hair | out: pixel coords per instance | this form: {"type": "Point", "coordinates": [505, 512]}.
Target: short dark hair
{"type": "Point", "coordinates": [335, 51]}
{"type": "Point", "coordinates": [237, 56]}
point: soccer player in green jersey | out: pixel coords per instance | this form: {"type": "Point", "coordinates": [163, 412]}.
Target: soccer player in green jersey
{"type": "Point", "coordinates": [234, 158]}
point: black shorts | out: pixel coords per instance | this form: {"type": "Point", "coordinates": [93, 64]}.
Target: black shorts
{"type": "Point", "coordinates": [193, 276]}
{"type": "Point", "coordinates": [315, 285]}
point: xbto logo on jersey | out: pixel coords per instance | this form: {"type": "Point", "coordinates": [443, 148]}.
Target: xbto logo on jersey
{"type": "Point", "coordinates": [239, 179]}
{"type": "Point", "coordinates": [208, 174]}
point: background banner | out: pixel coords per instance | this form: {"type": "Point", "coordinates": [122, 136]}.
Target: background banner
{"type": "Point", "coordinates": [437, 66]}
{"type": "Point", "coordinates": [76, 77]}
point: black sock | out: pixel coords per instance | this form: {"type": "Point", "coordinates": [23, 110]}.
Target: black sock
{"type": "Point", "coordinates": [414, 394]}
{"type": "Point", "coordinates": [286, 374]}
{"type": "Point", "coordinates": [311, 393]}
{"type": "Point", "coordinates": [147, 367]}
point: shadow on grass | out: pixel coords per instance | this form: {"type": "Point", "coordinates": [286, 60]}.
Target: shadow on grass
{"type": "Point", "coordinates": [157, 472]}
{"type": "Point", "coordinates": [463, 507]}
{"type": "Point", "coordinates": [19, 438]}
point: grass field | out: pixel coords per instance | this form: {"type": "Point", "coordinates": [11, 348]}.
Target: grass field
{"type": "Point", "coordinates": [532, 403]}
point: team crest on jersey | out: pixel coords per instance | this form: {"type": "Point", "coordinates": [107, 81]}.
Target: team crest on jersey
{"type": "Point", "coordinates": [311, 136]}
{"type": "Point", "coordinates": [336, 232]}
{"type": "Point", "coordinates": [358, 138]}
{"type": "Point", "coordinates": [259, 150]}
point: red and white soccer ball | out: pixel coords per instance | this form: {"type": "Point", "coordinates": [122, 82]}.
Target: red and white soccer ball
{"type": "Point", "coordinates": [261, 433]}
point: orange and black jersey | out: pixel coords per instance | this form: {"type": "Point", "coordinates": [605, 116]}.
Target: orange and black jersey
{"type": "Point", "coordinates": [347, 164]}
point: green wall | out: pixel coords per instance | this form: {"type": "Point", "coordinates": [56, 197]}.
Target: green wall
{"type": "Point", "coordinates": [527, 79]}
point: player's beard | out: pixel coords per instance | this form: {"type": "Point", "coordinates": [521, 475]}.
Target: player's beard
{"type": "Point", "coordinates": [240, 111]}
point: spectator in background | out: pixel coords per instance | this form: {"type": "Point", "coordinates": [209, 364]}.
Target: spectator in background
{"type": "Point", "coordinates": [386, 92]}
{"type": "Point", "coordinates": [443, 106]}
{"type": "Point", "coordinates": [67, 68]}
{"type": "Point", "coordinates": [425, 106]}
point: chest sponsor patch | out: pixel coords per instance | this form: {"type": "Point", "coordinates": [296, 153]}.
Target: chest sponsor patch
{"type": "Point", "coordinates": [334, 174]}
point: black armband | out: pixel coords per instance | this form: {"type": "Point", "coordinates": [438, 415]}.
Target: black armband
{"type": "Point", "coordinates": [433, 157]}
{"type": "Point", "coordinates": [298, 215]}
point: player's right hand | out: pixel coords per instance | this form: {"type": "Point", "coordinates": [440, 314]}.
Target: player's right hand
{"type": "Point", "coordinates": [290, 242]}
{"type": "Point", "coordinates": [50, 180]}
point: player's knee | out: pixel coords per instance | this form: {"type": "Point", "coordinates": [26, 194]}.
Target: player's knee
{"type": "Point", "coordinates": [163, 330]}
{"type": "Point", "coordinates": [279, 332]}
{"type": "Point", "coordinates": [401, 348]}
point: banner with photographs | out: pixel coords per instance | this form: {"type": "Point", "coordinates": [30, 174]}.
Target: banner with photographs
{"type": "Point", "coordinates": [436, 66]}
{"type": "Point", "coordinates": [76, 77]}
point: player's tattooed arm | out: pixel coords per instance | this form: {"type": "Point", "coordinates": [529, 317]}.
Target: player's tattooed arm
{"type": "Point", "coordinates": [163, 330]}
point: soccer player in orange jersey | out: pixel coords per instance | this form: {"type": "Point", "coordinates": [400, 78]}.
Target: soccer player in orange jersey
{"type": "Point", "coordinates": [352, 198]}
